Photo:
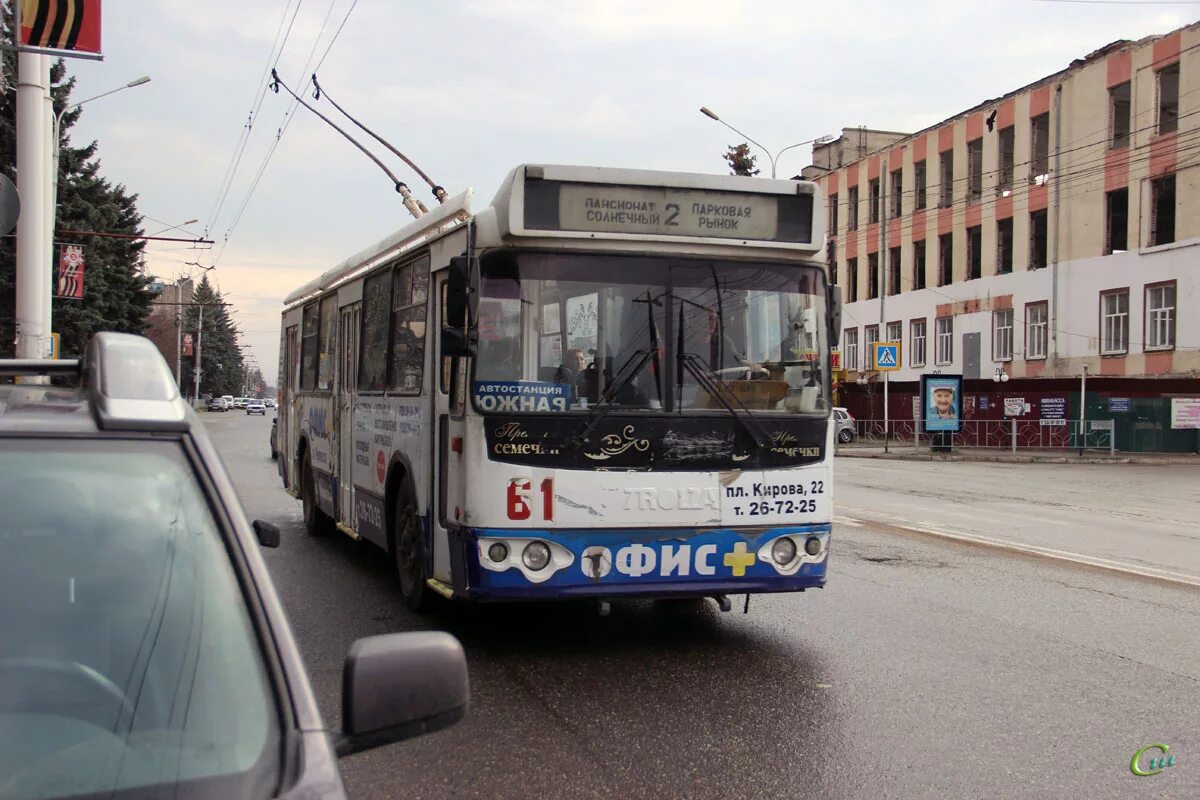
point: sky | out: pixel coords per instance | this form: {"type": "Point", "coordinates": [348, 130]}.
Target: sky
{"type": "Point", "coordinates": [468, 89]}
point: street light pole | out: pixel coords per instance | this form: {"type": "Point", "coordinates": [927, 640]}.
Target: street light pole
{"type": "Point", "coordinates": [774, 159]}
{"type": "Point", "coordinates": [32, 275]}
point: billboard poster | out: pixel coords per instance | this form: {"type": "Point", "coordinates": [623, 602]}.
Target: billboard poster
{"type": "Point", "coordinates": [70, 272]}
{"type": "Point", "coordinates": [1054, 411]}
{"type": "Point", "coordinates": [60, 27]}
{"type": "Point", "coordinates": [941, 399]}
{"type": "Point", "coordinates": [1185, 413]}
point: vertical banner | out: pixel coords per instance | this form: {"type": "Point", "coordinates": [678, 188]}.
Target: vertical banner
{"type": "Point", "coordinates": [187, 345]}
{"type": "Point", "coordinates": [941, 401]}
{"type": "Point", "coordinates": [60, 27]}
{"type": "Point", "coordinates": [70, 272]}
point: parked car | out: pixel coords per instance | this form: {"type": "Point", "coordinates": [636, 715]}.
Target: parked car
{"type": "Point", "coordinates": [256, 407]}
{"type": "Point", "coordinates": [176, 673]}
{"type": "Point", "coordinates": [274, 435]}
{"type": "Point", "coordinates": [845, 423]}
{"type": "Point", "coordinates": [218, 404]}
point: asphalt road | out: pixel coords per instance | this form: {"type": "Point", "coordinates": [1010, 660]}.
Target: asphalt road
{"type": "Point", "coordinates": [924, 669]}
{"type": "Point", "coordinates": [1143, 517]}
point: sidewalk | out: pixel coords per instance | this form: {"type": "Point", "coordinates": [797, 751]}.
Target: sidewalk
{"type": "Point", "coordinates": [904, 451]}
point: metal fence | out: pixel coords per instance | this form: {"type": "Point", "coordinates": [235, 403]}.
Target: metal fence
{"type": "Point", "coordinates": [1001, 434]}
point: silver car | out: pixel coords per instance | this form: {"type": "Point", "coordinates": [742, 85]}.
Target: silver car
{"type": "Point", "coordinates": [845, 425]}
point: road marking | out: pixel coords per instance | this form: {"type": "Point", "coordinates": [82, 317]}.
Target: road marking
{"type": "Point", "coordinates": [853, 523]}
{"type": "Point", "coordinates": [1043, 552]}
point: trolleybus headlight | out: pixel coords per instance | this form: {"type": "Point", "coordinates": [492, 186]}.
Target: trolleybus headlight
{"type": "Point", "coordinates": [536, 555]}
{"type": "Point", "coordinates": [783, 551]}
{"type": "Point", "coordinates": [813, 546]}
{"type": "Point", "coordinates": [498, 552]}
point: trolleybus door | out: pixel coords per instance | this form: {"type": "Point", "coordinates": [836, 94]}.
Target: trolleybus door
{"type": "Point", "coordinates": [448, 445]}
{"type": "Point", "coordinates": [285, 436]}
{"type": "Point", "coordinates": [347, 375]}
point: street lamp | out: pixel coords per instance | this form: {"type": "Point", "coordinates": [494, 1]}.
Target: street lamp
{"type": "Point", "coordinates": [52, 199]}
{"type": "Point", "coordinates": [180, 226]}
{"type": "Point", "coordinates": [706, 111]}
{"type": "Point", "coordinates": [1000, 376]}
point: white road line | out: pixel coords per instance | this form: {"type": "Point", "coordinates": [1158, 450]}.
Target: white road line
{"type": "Point", "coordinates": [1046, 552]}
{"type": "Point", "coordinates": [853, 523]}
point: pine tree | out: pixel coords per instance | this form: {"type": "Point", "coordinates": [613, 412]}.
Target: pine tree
{"type": "Point", "coordinates": [115, 295]}
{"type": "Point", "coordinates": [740, 160]}
{"type": "Point", "coordinates": [221, 361]}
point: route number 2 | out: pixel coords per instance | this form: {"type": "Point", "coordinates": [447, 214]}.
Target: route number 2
{"type": "Point", "coordinates": [519, 491]}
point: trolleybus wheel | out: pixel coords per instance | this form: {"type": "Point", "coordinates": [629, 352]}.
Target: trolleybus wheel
{"type": "Point", "coordinates": [408, 551]}
{"type": "Point", "coordinates": [316, 521]}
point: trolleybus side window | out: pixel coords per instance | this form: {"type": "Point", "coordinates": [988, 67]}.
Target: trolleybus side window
{"type": "Point", "coordinates": [325, 359]}
{"type": "Point", "coordinates": [376, 320]}
{"type": "Point", "coordinates": [410, 289]}
{"type": "Point", "coordinates": [309, 348]}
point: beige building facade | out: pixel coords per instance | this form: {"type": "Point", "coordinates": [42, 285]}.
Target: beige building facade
{"type": "Point", "coordinates": [1039, 233]}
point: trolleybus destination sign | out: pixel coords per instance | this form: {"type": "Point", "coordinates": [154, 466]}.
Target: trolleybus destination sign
{"type": "Point", "coordinates": [670, 211]}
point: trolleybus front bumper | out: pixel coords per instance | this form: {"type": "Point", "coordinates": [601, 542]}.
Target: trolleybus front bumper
{"type": "Point", "coordinates": [506, 564]}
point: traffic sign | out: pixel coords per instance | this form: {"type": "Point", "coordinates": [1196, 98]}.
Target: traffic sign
{"type": "Point", "coordinates": [887, 356]}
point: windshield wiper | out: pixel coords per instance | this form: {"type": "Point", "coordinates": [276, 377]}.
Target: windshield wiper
{"type": "Point", "coordinates": [639, 359]}
{"type": "Point", "coordinates": [702, 372]}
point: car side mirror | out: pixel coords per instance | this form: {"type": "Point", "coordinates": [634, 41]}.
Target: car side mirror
{"type": "Point", "coordinates": [401, 685]}
{"type": "Point", "coordinates": [267, 533]}
{"type": "Point", "coordinates": [835, 316]}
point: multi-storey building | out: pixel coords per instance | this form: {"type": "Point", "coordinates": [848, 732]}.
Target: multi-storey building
{"type": "Point", "coordinates": [1038, 234]}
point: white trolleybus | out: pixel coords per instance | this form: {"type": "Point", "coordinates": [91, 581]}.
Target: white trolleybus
{"type": "Point", "coordinates": [607, 383]}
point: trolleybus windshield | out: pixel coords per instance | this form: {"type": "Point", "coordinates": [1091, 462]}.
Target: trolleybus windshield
{"type": "Point", "coordinates": [559, 333]}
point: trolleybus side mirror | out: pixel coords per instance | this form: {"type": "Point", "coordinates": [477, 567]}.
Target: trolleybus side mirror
{"type": "Point", "coordinates": [458, 337]}
{"type": "Point", "coordinates": [401, 685]}
{"type": "Point", "coordinates": [835, 315]}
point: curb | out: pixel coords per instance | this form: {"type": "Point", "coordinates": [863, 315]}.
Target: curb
{"type": "Point", "coordinates": [1022, 459]}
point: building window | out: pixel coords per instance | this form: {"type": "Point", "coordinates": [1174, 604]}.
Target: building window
{"type": "Point", "coordinates": [1002, 335]}
{"type": "Point", "coordinates": [1004, 246]}
{"type": "Point", "coordinates": [852, 276]}
{"type": "Point", "coordinates": [1036, 315]}
{"type": "Point", "coordinates": [831, 259]}
{"type": "Point", "coordinates": [1008, 152]}
{"type": "Point", "coordinates": [1039, 165]}
{"type": "Point", "coordinates": [944, 331]}
{"type": "Point", "coordinates": [1114, 322]}
{"type": "Point", "coordinates": [975, 170]}
{"type": "Point", "coordinates": [975, 252]}
{"type": "Point", "coordinates": [869, 346]}
{"type": "Point", "coordinates": [919, 184]}
{"type": "Point", "coordinates": [850, 337]}
{"type": "Point", "coordinates": [918, 281]}
{"type": "Point", "coordinates": [872, 276]}
{"type": "Point", "coordinates": [896, 201]}
{"type": "Point", "coordinates": [894, 331]}
{"type": "Point", "coordinates": [1116, 221]}
{"type": "Point", "coordinates": [945, 258]}
{"type": "Point", "coordinates": [1119, 115]}
{"type": "Point", "coordinates": [1168, 98]}
{"type": "Point", "coordinates": [873, 209]}
{"type": "Point", "coordinates": [833, 214]}
{"type": "Point", "coordinates": [1162, 210]}
{"type": "Point", "coordinates": [893, 271]}
{"type": "Point", "coordinates": [946, 176]}
{"type": "Point", "coordinates": [852, 208]}
{"type": "Point", "coordinates": [1037, 239]}
{"type": "Point", "coordinates": [1160, 316]}
{"type": "Point", "coordinates": [916, 345]}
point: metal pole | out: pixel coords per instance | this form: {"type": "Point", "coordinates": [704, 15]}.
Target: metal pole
{"type": "Point", "coordinates": [32, 274]}
{"type": "Point", "coordinates": [886, 429]}
{"type": "Point", "coordinates": [1014, 434]}
{"type": "Point", "coordinates": [199, 337]}
{"type": "Point", "coordinates": [178, 341]}
{"type": "Point", "coordinates": [50, 154]}
{"type": "Point", "coordinates": [1082, 409]}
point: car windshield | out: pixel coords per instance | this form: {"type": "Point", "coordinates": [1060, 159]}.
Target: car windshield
{"type": "Point", "coordinates": [127, 657]}
{"type": "Point", "coordinates": [560, 333]}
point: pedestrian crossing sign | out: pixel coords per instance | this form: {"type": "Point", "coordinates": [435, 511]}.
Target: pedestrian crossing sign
{"type": "Point", "coordinates": [887, 356]}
